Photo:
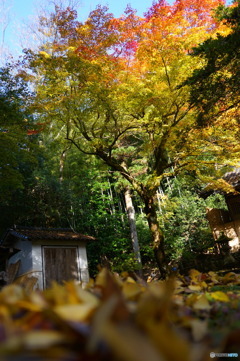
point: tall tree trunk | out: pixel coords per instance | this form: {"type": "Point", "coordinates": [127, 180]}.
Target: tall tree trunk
{"type": "Point", "coordinates": [62, 163]}
{"type": "Point", "coordinates": [156, 234]}
{"type": "Point", "coordinates": [133, 228]}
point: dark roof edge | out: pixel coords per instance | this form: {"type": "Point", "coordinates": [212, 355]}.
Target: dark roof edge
{"type": "Point", "coordinates": [25, 234]}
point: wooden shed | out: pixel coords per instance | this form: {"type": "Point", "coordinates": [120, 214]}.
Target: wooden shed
{"type": "Point", "coordinates": [47, 255]}
{"type": "Point", "coordinates": [227, 221]}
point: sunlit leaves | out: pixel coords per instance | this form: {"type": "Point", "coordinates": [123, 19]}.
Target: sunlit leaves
{"type": "Point", "coordinates": [117, 75]}
{"type": "Point", "coordinates": [110, 87]}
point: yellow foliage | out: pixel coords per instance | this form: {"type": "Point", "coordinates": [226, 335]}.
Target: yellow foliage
{"type": "Point", "coordinates": [80, 312]}
{"type": "Point", "coordinates": [45, 54]}
{"type": "Point", "coordinates": [220, 296]}
{"type": "Point", "coordinates": [202, 303]}
{"type": "Point", "coordinates": [158, 321]}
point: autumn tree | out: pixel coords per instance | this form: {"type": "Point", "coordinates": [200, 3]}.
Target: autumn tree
{"type": "Point", "coordinates": [110, 88]}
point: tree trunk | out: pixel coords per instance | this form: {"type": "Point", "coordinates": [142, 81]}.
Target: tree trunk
{"type": "Point", "coordinates": [62, 163]}
{"type": "Point", "coordinates": [149, 209]}
{"type": "Point", "coordinates": [156, 234]}
{"type": "Point", "coordinates": [133, 228]}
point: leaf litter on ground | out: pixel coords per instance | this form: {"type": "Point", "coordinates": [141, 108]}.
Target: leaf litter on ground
{"type": "Point", "coordinates": [116, 318]}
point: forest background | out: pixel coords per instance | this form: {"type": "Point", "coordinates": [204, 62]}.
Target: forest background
{"type": "Point", "coordinates": [114, 126]}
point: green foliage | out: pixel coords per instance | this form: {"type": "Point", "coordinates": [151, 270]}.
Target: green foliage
{"type": "Point", "coordinates": [15, 148]}
{"type": "Point", "coordinates": [18, 152]}
{"type": "Point", "coordinates": [186, 228]}
{"type": "Point", "coordinates": [144, 239]}
{"type": "Point", "coordinates": [216, 200]}
{"type": "Point", "coordinates": [229, 14]}
{"type": "Point", "coordinates": [215, 85]}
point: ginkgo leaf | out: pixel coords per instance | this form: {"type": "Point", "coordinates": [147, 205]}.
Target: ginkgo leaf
{"type": "Point", "coordinates": [195, 287]}
{"type": "Point", "coordinates": [198, 287]}
{"type": "Point", "coordinates": [190, 300]}
{"type": "Point", "coordinates": [214, 277]}
{"type": "Point", "coordinates": [29, 305]}
{"type": "Point", "coordinates": [78, 312]}
{"type": "Point", "coordinates": [11, 294]}
{"type": "Point", "coordinates": [138, 349]}
{"type": "Point", "coordinates": [87, 297]}
{"type": "Point", "coordinates": [132, 290]}
{"type": "Point", "coordinates": [220, 296]}
{"type": "Point", "coordinates": [229, 277]}
{"type": "Point", "coordinates": [195, 275]}
{"type": "Point", "coordinates": [42, 339]}
{"type": "Point", "coordinates": [131, 321]}
{"type": "Point", "coordinates": [164, 337]}
{"type": "Point", "coordinates": [202, 303]}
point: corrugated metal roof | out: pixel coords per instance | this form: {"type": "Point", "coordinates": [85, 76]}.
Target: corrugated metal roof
{"type": "Point", "coordinates": [233, 177]}
{"type": "Point", "coordinates": [60, 234]}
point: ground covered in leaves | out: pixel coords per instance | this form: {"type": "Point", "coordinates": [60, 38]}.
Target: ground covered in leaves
{"type": "Point", "coordinates": [186, 318]}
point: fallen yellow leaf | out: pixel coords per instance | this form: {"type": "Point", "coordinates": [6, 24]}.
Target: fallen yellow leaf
{"type": "Point", "coordinates": [29, 306]}
{"type": "Point", "coordinates": [214, 277]}
{"type": "Point", "coordinates": [201, 303]}
{"type": "Point", "coordinates": [42, 339]}
{"type": "Point", "coordinates": [11, 294]}
{"type": "Point", "coordinates": [131, 290]}
{"type": "Point", "coordinates": [80, 312]}
{"type": "Point", "coordinates": [194, 275]}
{"type": "Point", "coordinates": [195, 287]}
{"type": "Point", "coordinates": [168, 343]}
{"type": "Point", "coordinates": [87, 297]}
{"type": "Point", "coordinates": [190, 300]}
{"type": "Point", "coordinates": [203, 284]}
{"type": "Point", "coordinates": [220, 296]}
{"type": "Point", "coordinates": [229, 277]}
{"type": "Point", "coordinates": [129, 344]}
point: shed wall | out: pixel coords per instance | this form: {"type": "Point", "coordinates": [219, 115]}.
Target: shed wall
{"type": "Point", "coordinates": [25, 256]}
{"type": "Point", "coordinates": [83, 263]}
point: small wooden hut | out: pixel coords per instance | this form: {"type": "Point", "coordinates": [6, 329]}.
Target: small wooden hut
{"type": "Point", "coordinates": [227, 221]}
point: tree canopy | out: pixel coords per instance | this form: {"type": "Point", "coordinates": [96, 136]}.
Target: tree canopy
{"type": "Point", "coordinates": [215, 85]}
{"type": "Point", "coordinates": [110, 87]}
{"type": "Point", "coordinates": [15, 120]}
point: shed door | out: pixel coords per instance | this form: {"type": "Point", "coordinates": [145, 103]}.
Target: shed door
{"type": "Point", "coordinates": [60, 264]}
